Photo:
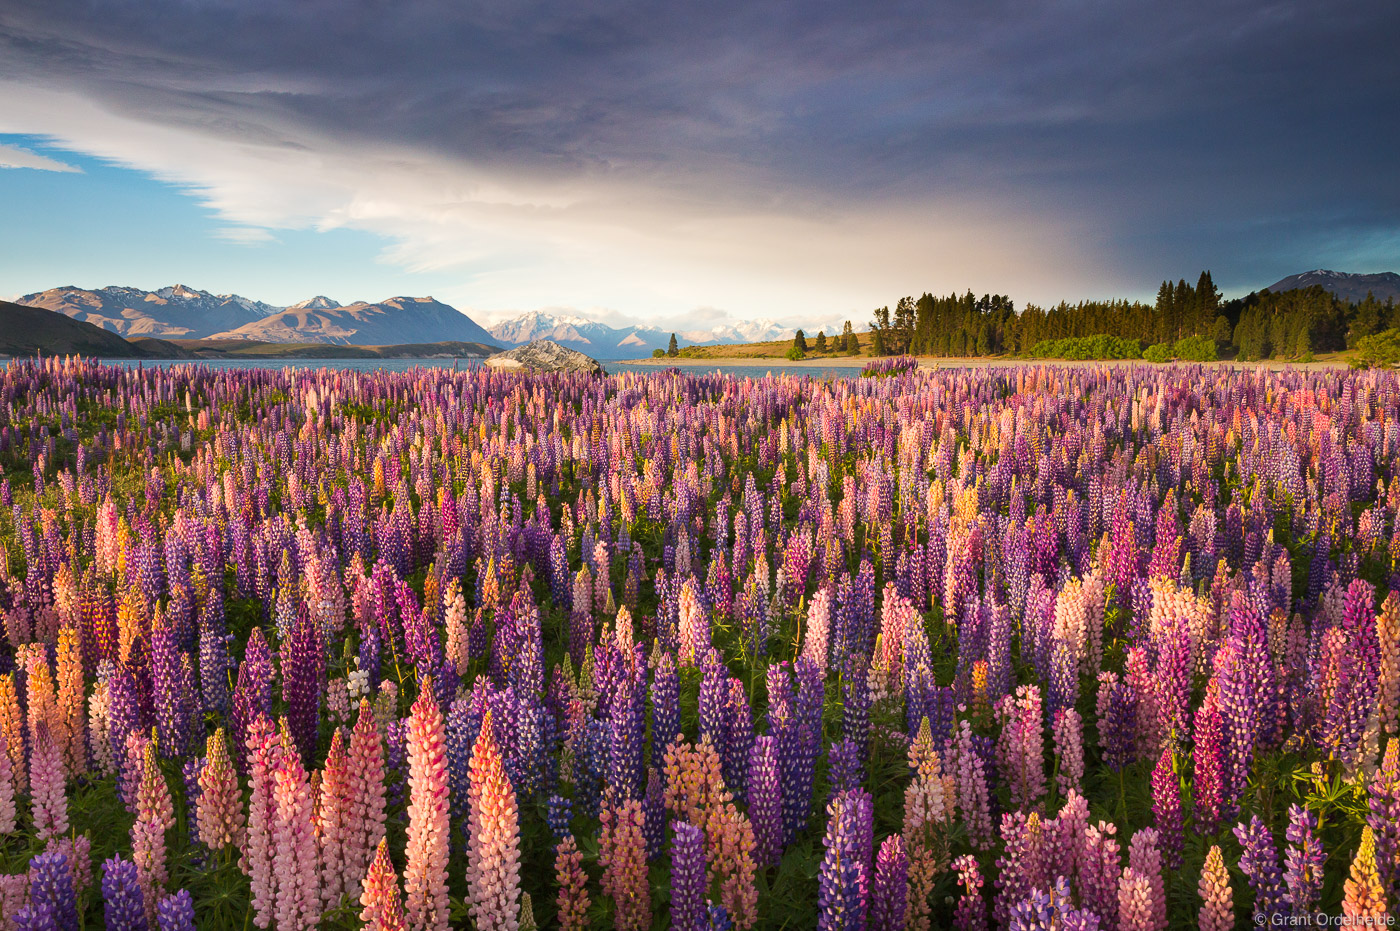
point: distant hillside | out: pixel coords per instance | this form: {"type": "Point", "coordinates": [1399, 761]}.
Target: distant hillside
{"type": "Point", "coordinates": [257, 349]}
{"type": "Point", "coordinates": [176, 311]}
{"type": "Point", "coordinates": [1349, 287]}
{"type": "Point", "coordinates": [394, 321]}
{"type": "Point", "coordinates": [25, 331]}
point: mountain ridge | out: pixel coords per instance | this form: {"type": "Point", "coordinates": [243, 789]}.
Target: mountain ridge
{"type": "Point", "coordinates": [1351, 286]}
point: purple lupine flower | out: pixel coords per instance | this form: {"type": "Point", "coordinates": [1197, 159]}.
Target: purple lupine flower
{"type": "Point", "coordinates": [173, 681]}
{"type": "Point", "coordinates": [855, 708]}
{"type": "Point", "coordinates": [766, 800]}
{"type": "Point", "coordinates": [1304, 861]}
{"type": "Point", "coordinates": [252, 696]}
{"type": "Point", "coordinates": [559, 814]}
{"type": "Point", "coordinates": [628, 730]}
{"type": "Point", "coordinates": [654, 811]}
{"type": "Point", "coordinates": [52, 900]}
{"type": "Point", "coordinates": [891, 885]}
{"type": "Point", "coordinates": [666, 705]}
{"type": "Point", "coordinates": [843, 892]}
{"type": "Point", "coordinates": [1260, 865]}
{"type": "Point", "coordinates": [1117, 721]}
{"type": "Point", "coordinates": [713, 701]}
{"type": "Point", "coordinates": [303, 666]}
{"type": "Point", "coordinates": [121, 896]}
{"type": "Point", "coordinates": [214, 662]}
{"type": "Point", "coordinates": [1166, 809]}
{"type": "Point", "coordinates": [739, 740]}
{"type": "Point", "coordinates": [176, 912]}
{"type": "Point", "coordinates": [844, 768]}
{"type": "Point", "coordinates": [688, 911]}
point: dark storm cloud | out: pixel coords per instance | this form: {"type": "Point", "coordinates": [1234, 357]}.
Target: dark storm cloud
{"type": "Point", "coordinates": [1246, 136]}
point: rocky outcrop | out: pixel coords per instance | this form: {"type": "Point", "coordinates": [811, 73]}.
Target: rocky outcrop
{"type": "Point", "coordinates": [545, 355]}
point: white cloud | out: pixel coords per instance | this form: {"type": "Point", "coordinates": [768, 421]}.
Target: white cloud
{"type": "Point", "coordinates": [688, 251]}
{"type": "Point", "coordinates": [15, 157]}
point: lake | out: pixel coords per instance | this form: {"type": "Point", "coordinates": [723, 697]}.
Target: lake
{"type": "Point", "coordinates": [403, 365]}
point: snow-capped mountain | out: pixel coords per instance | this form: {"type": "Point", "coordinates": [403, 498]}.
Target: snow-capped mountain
{"type": "Point", "coordinates": [1346, 285]}
{"type": "Point", "coordinates": [606, 342]}
{"type": "Point", "coordinates": [181, 312]}
{"type": "Point", "coordinates": [176, 312]}
{"type": "Point", "coordinates": [319, 302]}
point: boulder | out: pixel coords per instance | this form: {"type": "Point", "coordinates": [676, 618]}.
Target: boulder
{"type": "Point", "coordinates": [545, 355]}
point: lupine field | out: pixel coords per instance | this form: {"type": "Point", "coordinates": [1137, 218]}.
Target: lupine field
{"type": "Point", "coordinates": [1074, 647]}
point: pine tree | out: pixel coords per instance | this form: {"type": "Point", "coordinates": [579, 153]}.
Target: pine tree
{"type": "Point", "coordinates": [820, 343]}
{"type": "Point", "coordinates": [674, 349]}
{"type": "Point", "coordinates": [852, 341]}
{"type": "Point", "coordinates": [799, 342]}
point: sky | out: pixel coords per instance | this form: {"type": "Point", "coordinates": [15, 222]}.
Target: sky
{"type": "Point", "coordinates": [694, 163]}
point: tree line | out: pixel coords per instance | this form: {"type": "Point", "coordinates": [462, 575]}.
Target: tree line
{"type": "Point", "coordinates": [1289, 324]}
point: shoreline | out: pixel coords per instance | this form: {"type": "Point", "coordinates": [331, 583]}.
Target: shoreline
{"type": "Point", "coordinates": [932, 362]}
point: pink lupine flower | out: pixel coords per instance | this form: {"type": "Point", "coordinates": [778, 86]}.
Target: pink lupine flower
{"type": "Point", "coordinates": [493, 855]}
{"type": "Point", "coordinates": [155, 815]}
{"type": "Point", "coordinates": [622, 850]}
{"type": "Point", "coordinates": [7, 790]}
{"type": "Point", "coordinates": [298, 901]}
{"type": "Point", "coordinates": [1145, 860]}
{"type": "Point", "coordinates": [332, 809]}
{"type": "Point", "coordinates": [365, 812]}
{"type": "Point", "coordinates": [1068, 730]}
{"type": "Point", "coordinates": [259, 852]}
{"type": "Point", "coordinates": [50, 798]}
{"type": "Point", "coordinates": [220, 801]}
{"type": "Point", "coordinates": [573, 886]}
{"type": "Point", "coordinates": [425, 875]}
{"type": "Point", "coordinates": [815, 638]}
{"type": "Point", "coordinates": [382, 908]}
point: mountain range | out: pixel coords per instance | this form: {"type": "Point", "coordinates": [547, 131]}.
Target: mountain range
{"type": "Point", "coordinates": [184, 313]}
{"type": "Point", "coordinates": [1346, 285]}
{"type": "Point", "coordinates": [607, 342]}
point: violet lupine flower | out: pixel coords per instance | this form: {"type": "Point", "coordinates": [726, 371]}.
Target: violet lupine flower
{"type": "Point", "coordinates": [52, 901]}
{"type": "Point", "coordinates": [855, 707]}
{"type": "Point", "coordinates": [1068, 731]}
{"type": "Point", "coordinates": [303, 666]}
{"type": "Point", "coordinates": [252, 695]}
{"type": "Point", "coordinates": [176, 912]}
{"type": "Point", "coordinates": [666, 705]}
{"type": "Point", "coordinates": [688, 911]}
{"type": "Point", "coordinates": [843, 893]}
{"type": "Point", "coordinates": [654, 814]}
{"type": "Point", "coordinates": [1260, 865]}
{"type": "Point", "coordinates": [734, 753]}
{"type": "Point", "coordinates": [766, 800]}
{"type": "Point", "coordinates": [1117, 711]}
{"type": "Point", "coordinates": [628, 731]}
{"type": "Point", "coordinates": [173, 681]}
{"type": "Point", "coordinates": [121, 896]}
{"type": "Point", "coordinates": [891, 887]}
{"type": "Point", "coordinates": [844, 769]}
{"type": "Point", "coordinates": [1304, 861]}
{"type": "Point", "coordinates": [214, 662]}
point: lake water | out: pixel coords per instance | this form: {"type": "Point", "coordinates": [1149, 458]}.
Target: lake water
{"type": "Point", "coordinates": [403, 365]}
